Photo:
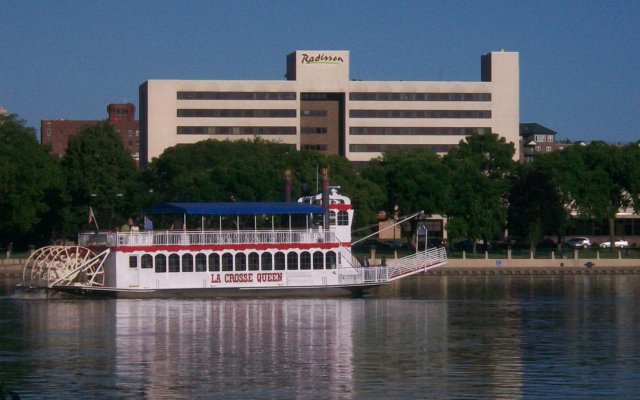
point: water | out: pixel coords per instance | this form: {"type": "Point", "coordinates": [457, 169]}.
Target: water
{"type": "Point", "coordinates": [424, 338]}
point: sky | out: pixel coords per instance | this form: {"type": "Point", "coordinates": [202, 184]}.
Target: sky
{"type": "Point", "coordinates": [579, 60]}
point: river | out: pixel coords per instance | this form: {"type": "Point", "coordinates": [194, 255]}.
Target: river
{"type": "Point", "coordinates": [427, 337]}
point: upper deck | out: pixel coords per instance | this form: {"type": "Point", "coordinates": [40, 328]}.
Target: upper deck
{"type": "Point", "coordinates": [205, 237]}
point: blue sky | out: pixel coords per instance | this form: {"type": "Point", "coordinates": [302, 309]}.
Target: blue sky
{"type": "Point", "coordinates": [579, 60]}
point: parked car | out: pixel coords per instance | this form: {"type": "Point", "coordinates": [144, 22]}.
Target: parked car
{"type": "Point", "coordinates": [618, 244]}
{"type": "Point", "coordinates": [579, 242]}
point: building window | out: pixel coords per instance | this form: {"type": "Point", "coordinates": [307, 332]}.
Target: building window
{"type": "Point", "coordinates": [315, 147]}
{"type": "Point", "coordinates": [236, 130]}
{"type": "Point", "coordinates": [415, 131]}
{"type": "Point", "coordinates": [313, 113]}
{"type": "Point", "coordinates": [548, 149]}
{"type": "Point", "coordinates": [195, 95]}
{"type": "Point", "coordinates": [389, 96]}
{"type": "Point", "coordinates": [235, 113]}
{"type": "Point", "coordinates": [309, 130]}
{"type": "Point", "coordinates": [382, 148]}
{"type": "Point", "coordinates": [399, 114]}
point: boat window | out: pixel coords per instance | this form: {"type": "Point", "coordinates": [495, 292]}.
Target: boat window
{"type": "Point", "coordinates": [305, 260]}
{"type": "Point", "coordinates": [241, 262]}
{"type": "Point", "coordinates": [227, 262]}
{"type": "Point", "coordinates": [201, 262]}
{"type": "Point", "coordinates": [343, 218]}
{"type": "Point", "coordinates": [332, 217]}
{"type": "Point", "coordinates": [161, 263]}
{"type": "Point", "coordinates": [267, 261]}
{"type": "Point", "coordinates": [318, 260]}
{"type": "Point", "coordinates": [331, 260]}
{"type": "Point", "coordinates": [187, 262]}
{"type": "Point", "coordinates": [254, 262]}
{"type": "Point", "coordinates": [279, 260]}
{"type": "Point", "coordinates": [146, 261]}
{"type": "Point", "coordinates": [133, 261]}
{"type": "Point", "coordinates": [292, 260]}
{"type": "Point", "coordinates": [214, 262]}
{"type": "Point", "coordinates": [174, 263]}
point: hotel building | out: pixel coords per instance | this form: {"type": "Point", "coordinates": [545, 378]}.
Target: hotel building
{"type": "Point", "coordinates": [318, 107]}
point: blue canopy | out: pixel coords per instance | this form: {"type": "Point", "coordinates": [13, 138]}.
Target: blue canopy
{"type": "Point", "coordinates": [239, 208]}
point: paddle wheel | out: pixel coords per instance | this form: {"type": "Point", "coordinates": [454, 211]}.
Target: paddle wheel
{"type": "Point", "coordinates": [64, 266]}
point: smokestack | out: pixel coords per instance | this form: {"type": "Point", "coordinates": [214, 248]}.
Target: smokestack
{"type": "Point", "coordinates": [287, 186]}
{"type": "Point", "coordinates": [325, 196]}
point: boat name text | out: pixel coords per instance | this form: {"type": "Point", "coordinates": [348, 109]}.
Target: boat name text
{"type": "Point", "coordinates": [247, 277]}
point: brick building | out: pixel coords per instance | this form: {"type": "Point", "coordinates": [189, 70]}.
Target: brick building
{"type": "Point", "coordinates": [56, 133]}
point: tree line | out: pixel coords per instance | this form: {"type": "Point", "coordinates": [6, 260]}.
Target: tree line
{"type": "Point", "coordinates": [478, 186]}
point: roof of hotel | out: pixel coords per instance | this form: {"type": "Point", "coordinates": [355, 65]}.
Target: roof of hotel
{"type": "Point", "coordinates": [238, 208]}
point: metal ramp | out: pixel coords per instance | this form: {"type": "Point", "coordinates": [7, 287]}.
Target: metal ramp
{"type": "Point", "coordinates": [414, 263]}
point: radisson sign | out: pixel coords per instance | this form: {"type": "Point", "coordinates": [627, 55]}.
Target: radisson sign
{"type": "Point", "coordinates": [321, 58]}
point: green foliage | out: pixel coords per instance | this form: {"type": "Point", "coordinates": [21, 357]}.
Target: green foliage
{"type": "Point", "coordinates": [480, 168]}
{"type": "Point", "coordinates": [251, 170]}
{"type": "Point", "coordinates": [535, 205]}
{"type": "Point", "coordinates": [414, 180]}
{"type": "Point", "coordinates": [30, 184]}
{"type": "Point", "coordinates": [100, 173]}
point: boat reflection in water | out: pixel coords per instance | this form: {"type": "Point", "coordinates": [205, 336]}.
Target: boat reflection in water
{"type": "Point", "coordinates": [240, 348]}
{"type": "Point", "coordinates": [429, 337]}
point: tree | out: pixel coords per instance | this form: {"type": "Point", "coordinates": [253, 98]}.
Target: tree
{"type": "Point", "coordinates": [250, 170]}
{"type": "Point", "coordinates": [412, 180]}
{"type": "Point", "coordinates": [480, 168]}
{"type": "Point", "coordinates": [100, 174]}
{"type": "Point", "coordinates": [535, 205]}
{"type": "Point", "coordinates": [593, 181]}
{"type": "Point", "coordinates": [30, 184]}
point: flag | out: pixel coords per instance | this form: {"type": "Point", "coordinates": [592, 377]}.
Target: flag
{"type": "Point", "coordinates": [92, 218]}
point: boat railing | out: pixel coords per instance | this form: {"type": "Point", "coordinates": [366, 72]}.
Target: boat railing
{"type": "Point", "coordinates": [186, 238]}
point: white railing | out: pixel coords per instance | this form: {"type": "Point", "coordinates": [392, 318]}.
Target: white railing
{"type": "Point", "coordinates": [185, 238]}
{"type": "Point", "coordinates": [417, 262]}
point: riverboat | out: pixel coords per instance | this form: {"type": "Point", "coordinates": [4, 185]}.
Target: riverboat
{"type": "Point", "coordinates": [296, 248]}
